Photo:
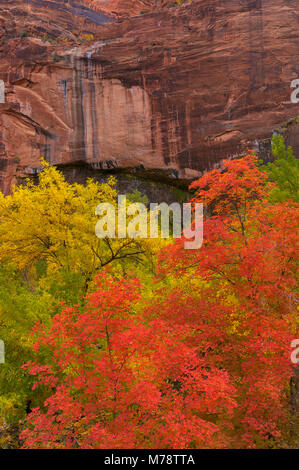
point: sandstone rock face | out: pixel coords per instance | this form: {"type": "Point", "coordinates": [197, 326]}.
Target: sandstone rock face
{"type": "Point", "coordinates": [126, 7]}
{"type": "Point", "coordinates": [175, 90]}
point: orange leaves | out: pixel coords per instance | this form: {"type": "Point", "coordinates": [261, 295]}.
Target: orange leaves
{"type": "Point", "coordinates": [243, 318]}
{"type": "Point", "coordinates": [165, 403]}
{"type": "Point", "coordinates": [238, 184]}
{"type": "Point", "coordinates": [203, 363]}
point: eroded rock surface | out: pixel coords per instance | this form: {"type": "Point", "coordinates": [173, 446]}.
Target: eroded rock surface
{"type": "Point", "coordinates": [174, 90]}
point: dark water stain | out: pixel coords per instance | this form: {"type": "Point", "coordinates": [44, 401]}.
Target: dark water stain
{"type": "Point", "coordinates": [256, 43]}
{"type": "Point", "coordinates": [94, 16]}
{"type": "Point", "coordinates": [156, 190]}
{"type": "Point", "coordinates": [93, 109]}
{"type": "Point", "coordinates": [78, 140]}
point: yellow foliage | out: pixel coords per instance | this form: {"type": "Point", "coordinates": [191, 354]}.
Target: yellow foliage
{"type": "Point", "coordinates": [55, 221]}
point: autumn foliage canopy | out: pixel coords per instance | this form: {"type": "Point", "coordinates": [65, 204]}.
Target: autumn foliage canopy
{"type": "Point", "coordinates": [197, 357]}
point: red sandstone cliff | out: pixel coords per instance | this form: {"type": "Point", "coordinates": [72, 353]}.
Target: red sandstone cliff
{"type": "Point", "coordinates": [131, 7]}
{"type": "Point", "coordinates": [176, 89]}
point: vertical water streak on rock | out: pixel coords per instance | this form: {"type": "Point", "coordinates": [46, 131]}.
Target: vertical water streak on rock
{"type": "Point", "coordinates": [63, 84]}
{"type": "Point", "coordinates": [256, 43]}
{"type": "Point", "coordinates": [160, 111]}
{"type": "Point", "coordinates": [78, 140]}
{"type": "Point", "coordinates": [188, 122]}
{"type": "Point", "coordinates": [93, 110]}
{"type": "Point", "coordinates": [47, 150]}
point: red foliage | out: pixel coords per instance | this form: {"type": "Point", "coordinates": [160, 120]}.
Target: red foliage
{"type": "Point", "coordinates": [205, 363]}
{"type": "Point", "coordinates": [245, 314]}
{"type": "Point", "coordinates": [121, 381]}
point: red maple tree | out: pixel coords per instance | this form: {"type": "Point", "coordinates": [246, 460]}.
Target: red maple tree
{"type": "Point", "coordinates": [119, 380]}
{"type": "Point", "coordinates": [203, 363]}
{"type": "Point", "coordinates": [245, 312]}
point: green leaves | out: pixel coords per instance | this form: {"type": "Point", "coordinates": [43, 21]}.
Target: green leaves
{"type": "Point", "coordinates": [284, 172]}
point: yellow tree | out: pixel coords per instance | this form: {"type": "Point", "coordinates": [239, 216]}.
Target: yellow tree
{"type": "Point", "coordinates": [54, 222]}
